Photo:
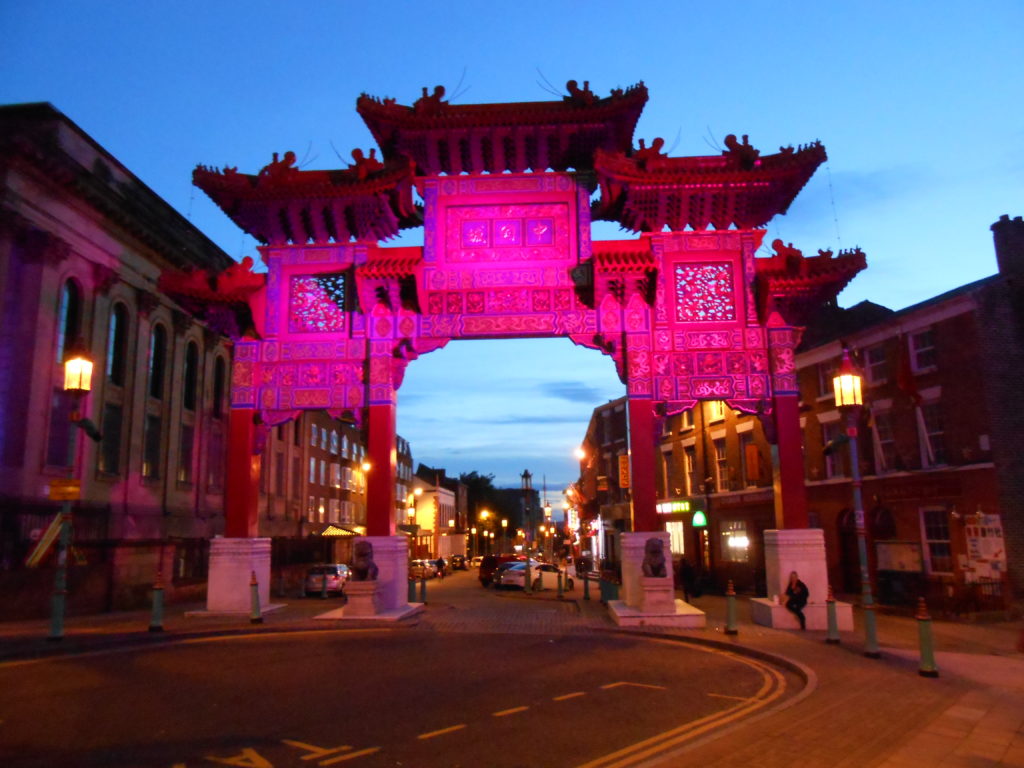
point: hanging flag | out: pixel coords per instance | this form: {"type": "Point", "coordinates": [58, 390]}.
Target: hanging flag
{"type": "Point", "coordinates": [45, 542]}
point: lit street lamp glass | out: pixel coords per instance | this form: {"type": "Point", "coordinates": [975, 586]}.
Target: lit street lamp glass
{"type": "Point", "coordinates": [580, 454]}
{"type": "Point", "coordinates": [473, 531]}
{"type": "Point", "coordinates": [366, 466]}
{"type": "Point", "coordinates": [504, 523]}
{"type": "Point", "coordinates": [78, 370]}
{"type": "Point", "coordinates": [847, 384]}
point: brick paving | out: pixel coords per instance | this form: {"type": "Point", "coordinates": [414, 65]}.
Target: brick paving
{"type": "Point", "coordinates": [856, 711]}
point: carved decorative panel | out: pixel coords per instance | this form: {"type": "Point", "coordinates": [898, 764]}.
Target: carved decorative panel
{"type": "Point", "coordinates": [316, 303]}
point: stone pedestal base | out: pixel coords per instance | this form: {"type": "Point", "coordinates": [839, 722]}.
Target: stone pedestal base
{"type": "Point", "coordinates": [232, 563]}
{"type": "Point", "coordinates": [650, 600]}
{"type": "Point", "coordinates": [679, 614]}
{"type": "Point", "coordinates": [362, 598]}
{"type": "Point", "coordinates": [657, 594]}
{"type": "Point", "coordinates": [801, 550]}
{"type": "Point", "coordinates": [767, 613]}
{"type": "Point", "coordinates": [390, 598]}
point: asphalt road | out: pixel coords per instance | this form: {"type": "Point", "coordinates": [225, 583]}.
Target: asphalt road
{"type": "Point", "coordinates": [409, 697]}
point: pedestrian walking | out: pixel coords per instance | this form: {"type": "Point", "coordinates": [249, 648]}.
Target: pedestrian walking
{"type": "Point", "coordinates": [796, 598]}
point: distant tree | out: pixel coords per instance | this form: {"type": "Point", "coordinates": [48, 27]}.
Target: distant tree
{"type": "Point", "coordinates": [482, 493]}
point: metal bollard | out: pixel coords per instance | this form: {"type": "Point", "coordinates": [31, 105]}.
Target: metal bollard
{"type": "Point", "coordinates": [156, 619]}
{"type": "Point", "coordinates": [423, 590]}
{"type": "Point", "coordinates": [323, 587]}
{"type": "Point", "coordinates": [871, 633]}
{"type": "Point", "coordinates": [560, 592]}
{"type": "Point", "coordinates": [832, 636]}
{"type": "Point", "coordinates": [924, 633]}
{"type": "Point", "coordinates": [730, 610]}
{"type": "Point", "coordinates": [412, 591]}
{"type": "Point", "coordinates": [586, 586]}
{"type": "Point", "coordinates": [256, 617]}
{"type": "Point", "coordinates": [540, 580]}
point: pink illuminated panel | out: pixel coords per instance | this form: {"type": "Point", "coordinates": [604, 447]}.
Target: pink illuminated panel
{"type": "Point", "coordinates": [316, 303]}
{"type": "Point", "coordinates": [704, 292]}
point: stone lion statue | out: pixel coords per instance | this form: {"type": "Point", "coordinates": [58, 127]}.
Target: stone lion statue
{"type": "Point", "coordinates": [654, 558]}
{"type": "Point", "coordinates": [363, 567]}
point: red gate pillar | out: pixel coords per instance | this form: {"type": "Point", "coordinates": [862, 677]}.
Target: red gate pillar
{"type": "Point", "coordinates": [642, 470]}
{"type": "Point", "coordinates": [241, 488]}
{"type": "Point", "coordinates": [380, 482]}
{"type": "Point", "coordinates": [790, 492]}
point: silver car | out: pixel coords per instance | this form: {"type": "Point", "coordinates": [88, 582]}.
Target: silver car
{"type": "Point", "coordinates": [336, 575]}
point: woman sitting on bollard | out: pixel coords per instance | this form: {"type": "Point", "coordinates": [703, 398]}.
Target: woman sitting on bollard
{"type": "Point", "coordinates": [796, 598]}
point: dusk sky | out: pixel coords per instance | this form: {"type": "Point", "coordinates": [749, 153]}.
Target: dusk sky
{"type": "Point", "coordinates": [919, 104]}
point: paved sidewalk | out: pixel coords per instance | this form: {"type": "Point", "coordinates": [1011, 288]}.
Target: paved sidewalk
{"type": "Point", "coordinates": [856, 711]}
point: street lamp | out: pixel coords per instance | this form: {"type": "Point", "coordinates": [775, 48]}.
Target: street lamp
{"type": "Point", "coordinates": [849, 400]}
{"type": "Point", "coordinates": [504, 531]}
{"type": "Point", "coordinates": [77, 383]}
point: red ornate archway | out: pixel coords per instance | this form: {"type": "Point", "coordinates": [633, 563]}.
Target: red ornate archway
{"type": "Point", "coordinates": [685, 309]}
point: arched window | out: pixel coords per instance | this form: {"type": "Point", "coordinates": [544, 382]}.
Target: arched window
{"type": "Point", "coordinates": [69, 317]}
{"type": "Point", "coordinates": [191, 376]}
{"type": "Point", "coordinates": [219, 380]}
{"type": "Point", "coordinates": [157, 361]}
{"type": "Point", "coordinates": [117, 345]}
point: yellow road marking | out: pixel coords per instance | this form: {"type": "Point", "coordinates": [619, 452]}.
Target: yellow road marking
{"type": "Point", "coordinates": [441, 732]}
{"type": "Point", "coordinates": [353, 756]}
{"type": "Point", "coordinates": [315, 752]}
{"type": "Point", "coordinates": [633, 685]}
{"type": "Point", "coordinates": [773, 686]}
{"type": "Point", "coordinates": [569, 696]}
{"type": "Point", "coordinates": [512, 711]}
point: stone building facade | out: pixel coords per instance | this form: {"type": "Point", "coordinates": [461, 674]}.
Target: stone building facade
{"type": "Point", "coordinates": [83, 243]}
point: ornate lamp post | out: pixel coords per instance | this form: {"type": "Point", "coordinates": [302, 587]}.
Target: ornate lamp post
{"type": "Point", "coordinates": [77, 383]}
{"type": "Point", "coordinates": [849, 400]}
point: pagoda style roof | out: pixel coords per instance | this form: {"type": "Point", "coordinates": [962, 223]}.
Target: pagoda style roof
{"type": "Point", "coordinates": [646, 191]}
{"type": "Point", "coordinates": [796, 286]}
{"type": "Point", "coordinates": [623, 255]}
{"type": "Point", "coordinates": [495, 138]}
{"type": "Point", "coordinates": [369, 200]}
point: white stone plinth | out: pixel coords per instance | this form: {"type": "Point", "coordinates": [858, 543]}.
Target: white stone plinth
{"type": "Point", "coordinates": [632, 546]}
{"type": "Point", "coordinates": [232, 563]}
{"type": "Point", "coordinates": [649, 601]}
{"type": "Point", "coordinates": [391, 598]}
{"type": "Point", "coordinates": [768, 613]}
{"type": "Point", "coordinates": [786, 550]}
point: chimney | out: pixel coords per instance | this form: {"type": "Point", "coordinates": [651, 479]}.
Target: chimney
{"type": "Point", "coordinates": [1008, 235]}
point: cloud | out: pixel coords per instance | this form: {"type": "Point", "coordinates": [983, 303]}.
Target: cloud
{"type": "Point", "coordinates": [573, 391]}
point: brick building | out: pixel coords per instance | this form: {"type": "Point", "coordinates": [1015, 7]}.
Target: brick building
{"type": "Point", "coordinates": [943, 477]}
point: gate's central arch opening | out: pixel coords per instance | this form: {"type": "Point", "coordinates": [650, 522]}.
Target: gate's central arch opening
{"type": "Point", "coordinates": [685, 310]}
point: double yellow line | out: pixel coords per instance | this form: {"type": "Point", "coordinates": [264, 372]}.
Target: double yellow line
{"type": "Point", "coordinates": [772, 688]}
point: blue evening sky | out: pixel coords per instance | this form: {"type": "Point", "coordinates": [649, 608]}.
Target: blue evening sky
{"type": "Point", "coordinates": [919, 104]}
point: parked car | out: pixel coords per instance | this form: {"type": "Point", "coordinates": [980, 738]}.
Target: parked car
{"type": "Point", "coordinates": [336, 574]}
{"type": "Point", "coordinates": [490, 563]}
{"type": "Point", "coordinates": [458, 563]}
{"type": "Point", "coordinates": [516, 576]}
{"type": "Point", "coordinates": [475, 561]}
{"type": "Point", "coordinates": [422, 569]}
